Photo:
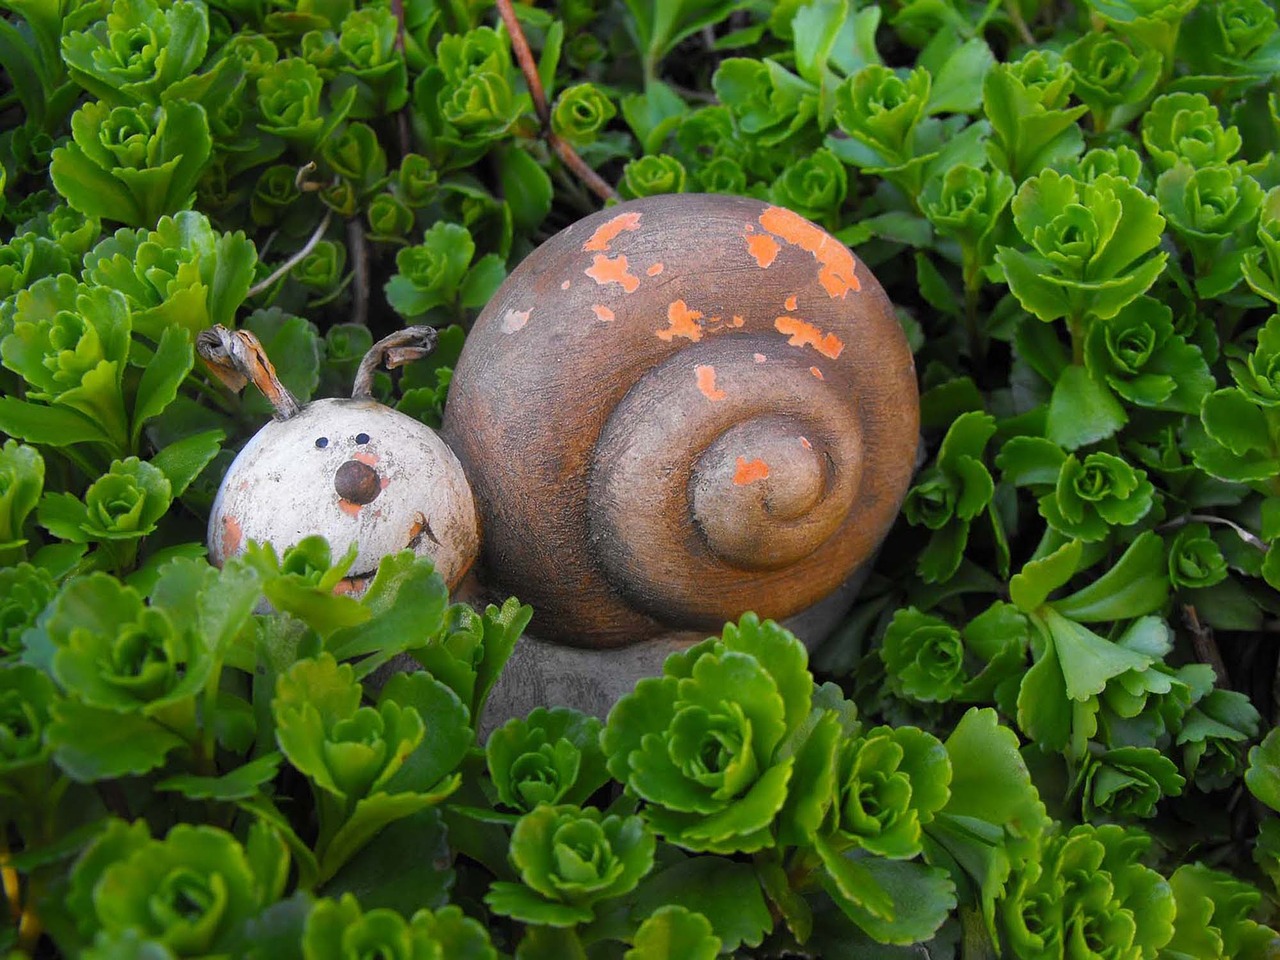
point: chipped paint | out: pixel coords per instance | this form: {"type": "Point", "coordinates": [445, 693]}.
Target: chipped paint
{"type": "Point", "coordinates": [654, 270]}
{"type": "Point", "coordinates": [790, 302]}
{"type": "Point", "coordinates": [804, 442]}
{"type": "Point", "coordinates": [837, 263]}
{"type": "Point", "coordinates": [706, 375]}
{"type": "Point", "coordinates": [749, 471]}
{"type": "Point", "coordinates": [760, 358]}
{"type": "Point", "coordinates": [612, 270]}
{"type": "Point", "coordinates": [805, 334]}
{"type": "Point", "coordinates": [737, 322]}
{"type": "Point", "coordinates": [763, 247]}
{"type": "Point", "coordinates": [817, 373]}
{"type": "Point", "coordinates": [349, 508]}
{"type": "Point", "coordinates": [370, 459]}
{"type": "Point", "coordinates": [232, 534]}
{"type": "Point", "coordinates": [514, 320]}
{"type": "Point", "coordinates": [684, 323]}
{"type": "Point", "coordinates": [566, 285]}
{"type": "Point", "coordinates": [608, 231]}
{"type": "Point", "coordinates": [602, 312]}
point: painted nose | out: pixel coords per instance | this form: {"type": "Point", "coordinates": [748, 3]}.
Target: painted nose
{"type": "Point", "coordinates": [357, 482]}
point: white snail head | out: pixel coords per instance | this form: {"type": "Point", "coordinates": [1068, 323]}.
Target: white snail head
{"type": "Point", "coordinates": [352, 470]}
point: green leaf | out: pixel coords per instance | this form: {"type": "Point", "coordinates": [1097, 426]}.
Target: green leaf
{"type": "Point", "coordinates": [370, 816]}
{"type": "Point", "coordinates": [526, 186]}
{"type": "Point", "coordinates": [520, 903]}
{"type": "Point", "coordinates": [173, 360]}
{"type": "Point", "coordinates": [1082, 410]}
{"type": "Point", "coordinates": [728, 894]}
{"type": "Point", "coordinates": [674, 933]}
{"type": "Point", "coordinates": [654, 114]}
{"type": "Point", "coordinates": [989, 780]}
{"type": "Point", "coordinates": [1031, 587]}
{"type": "Point", "coordinates": [240, 783]}
{"type": "Point", "coordinates": [1263, 775]}
{"type": "Point", "coordinates": [418, 845]}
{"type": "Point", "coordinates": [1234, 421]}
{"type": "Point", "coordinates": [1088, 660]}
{"type": "Point", "coordinates": [921, 899]}
{"type": "Point", "coordinates": [1138, 584]}
{"type": "Point", "coordinates": [957, 86]}
{"type": "Point", "coordinates": [816, 27]}
{"type": "Point", "coordinates": [54, 426]}
{"type": "Point", "coordinates": [482, 280]}
{"type": "Point", "coordinates": [91, 744]}
{"type": "Point", "coordinates": [184, 460]}
{"type": "Point", "coordinates": [852, 885]}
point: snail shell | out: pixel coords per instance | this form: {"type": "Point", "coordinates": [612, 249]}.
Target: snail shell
{"type": "Point", "coordinates": [679, 409]}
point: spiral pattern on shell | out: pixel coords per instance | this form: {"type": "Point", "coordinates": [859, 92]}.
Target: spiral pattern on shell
{"type": "Point", "coordinates": [679, 409]}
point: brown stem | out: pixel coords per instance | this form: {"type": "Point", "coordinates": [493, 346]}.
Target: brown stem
{"type": "Point", "coordinates": [1014, 10]}
{"type": "Point", "coordinates": [1205, 646]}
{"type": "Point", "coordinates": [529, 67]}
{"type": "Point", "coordinates": [294, 260]}
{"type": "Point", "coordinates": [360, 285]}
{"type": "Point", "coordinates": [401, 347]}
{"type": "Point", "coordinates": [402, 115]}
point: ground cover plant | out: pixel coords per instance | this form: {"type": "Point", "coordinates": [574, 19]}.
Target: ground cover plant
{"type": "Point", "coordinates": [1044, 730]}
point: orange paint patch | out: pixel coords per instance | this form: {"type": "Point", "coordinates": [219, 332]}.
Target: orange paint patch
{"type": "Point", "coordinates": [607, 232]}
{"type": "Point", "coordinates": [370, 459]}
{"type": "Point", "coordinates": [706, 375]}
{"type": "Point", "coordinates": [612, 270]}
{"type": "Point", "coordinates": [602, 312]}
{"type": "Point", "coordinates": [232, 534]}
{"type": "Point", "coordinates": [804, 442]}
{"type": "Point", "coordinates": [654, 270]}
{"type": "Point", "coordinates": [684, 323]}
{"type": "Point", "coordinates": [736, 322]}
{"type": "Point", "coordinates": [817, 373]}
{"type": "Point", "coordinates": [349, 508]}
{"type": "Point", "coordinates": [837, 263]}
{"type": "Point", "coordinates": [566, 285]}
{"type": "Point", "coordinates": [805, 334]}
{"type": "Point", "coordinates": [749, 471]}
{"type": "Point", "coordinates": [347, 586]}
{"type": "Point", "coordinates": [514, 320]}
{"type": "Point", "coordinates": [763, 247]}
{"type": "Point", "coordinates": [791, 302]}
{"type": "Point", "coordinates": [761, 358]}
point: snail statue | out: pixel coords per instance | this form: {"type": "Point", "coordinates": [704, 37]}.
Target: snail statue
{"type": "Point", "coordinates": [673, 411]}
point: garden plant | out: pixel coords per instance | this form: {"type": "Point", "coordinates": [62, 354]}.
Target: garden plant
{"type": "Point", "coordinates": [1043, 730]}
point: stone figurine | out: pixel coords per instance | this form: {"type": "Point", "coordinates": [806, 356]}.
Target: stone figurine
{"type": "Point", "coordinates": [675, 410]}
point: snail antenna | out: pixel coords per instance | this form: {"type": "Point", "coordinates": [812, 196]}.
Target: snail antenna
{"type": "Point", "coordinates": [403, 346]}
{"type": "Point", "coordinates": [236, 357]}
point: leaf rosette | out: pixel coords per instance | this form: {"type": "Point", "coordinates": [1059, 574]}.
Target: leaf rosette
{"type": "Point", "coordinates": [181, 274]}
{"type": "Point", "coordinates": [580, 113]}
{"type": "Point", "coordinates": [29, 257]}
{"type": "Point", "coordinates": [1195, 559]}
{"type": "Point", "coordinates": [125, 503]}
{"type": "Point", "coordinates": [1111, 79]}
{"type": "Point", "coordinates": [880, 108]}
{"type": "Point", "coordinates": [1213, 738]}
{"type": "Point", "coordinates": [21, 480]}
{"type": "Point", "coordinates": [928, 660]}
{"type": "Point", "coordinates": [549, 757]}
{"type": "Point", "coordinates": [652, 175]}
{"type": "Point", "coordinates": [1186, 126]}
{"type": "Point", "coordinates": [1126, 783]}
{"type": "Point", "coordinates": [140, 49]}
{"type": "Point", "coordinates": [770, 103]}
{"type": "Point", "coordinates": [27, 696]}
{"type": "Point", "coordinates": [1087, 894]}
{"type": "Point", "coordinates": [814, 186]}
{"type": "Point", "coordinates": [1205, 206]}
{"type": "Point", "coordinates": [70, 343]}
{"type": "Point", "coordinates": [340, 930]}
{"type": "Point", "coordinates": [133, 165]}
{"type": "Point", "coordinates": [889, 784]}
{"type": "Point", "coordinates": [191, 892]}
{"type": "Point", "coordinates": [25, 591]}
{"type": "Point", "coordinates": [1258, 373]}
{"type": "Point", "coordinates": [1096, 493]}
{"type": "Point", "coordinates": [1213, 919]}
{"type": "Point", "coordinates": [115, 652]}
{"type": "Point", "coordinates": [706, 744]}
{"type": "Point", "coordinates": [1090, 243]}
{"type": "Point", "coordinates": [369, 59]}
{"type": "Point", "coordinates": [571, 859]}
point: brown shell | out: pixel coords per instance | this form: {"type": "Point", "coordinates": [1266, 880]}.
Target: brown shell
{"type": "Point", "coordinates": [679, 409]}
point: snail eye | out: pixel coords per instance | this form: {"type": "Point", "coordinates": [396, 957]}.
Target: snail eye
{"type": "Point", "coordinates": [321, 442]}
{"type": "Point", "coordinates": [362, 438]}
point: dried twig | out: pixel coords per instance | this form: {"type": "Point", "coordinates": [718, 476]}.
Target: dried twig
{"type": "Point", "coordinates": [1205, 646]}
{"type": "Point", "coordinates": [402, 115]}
{"type": "Point", "coordinates": [360, 264]}
{"type": "Point", "coordinates": [294, 260]}
{"type": "Point", "coordinates": [568, 156]}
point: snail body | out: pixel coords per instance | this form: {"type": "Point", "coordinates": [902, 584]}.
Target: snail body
{"type": "Point", "coordinates": [679, 409]}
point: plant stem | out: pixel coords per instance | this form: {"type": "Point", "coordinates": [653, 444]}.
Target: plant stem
{"type": "Point", "coordinates": [294, 260]}
{"type": "Point", "coordinates": [360, 256]}
{"type": "Point", "coordinates": [1075, 325]}
{"type": "Point", "coordinates": [1014, 10]}
{"type": "Point", "coordinates": [568, 156]}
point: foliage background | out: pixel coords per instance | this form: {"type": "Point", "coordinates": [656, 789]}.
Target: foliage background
{"type": "Point", "coordinates": [1042, 731]}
